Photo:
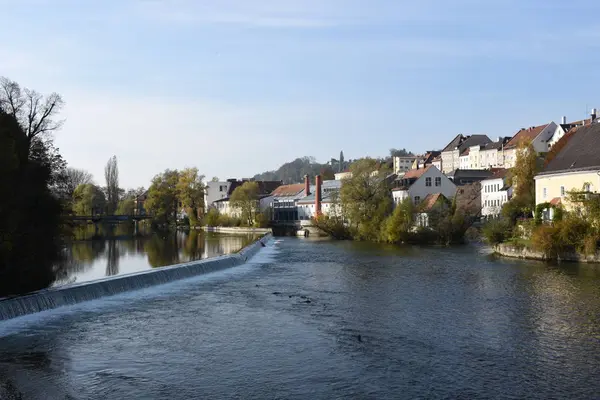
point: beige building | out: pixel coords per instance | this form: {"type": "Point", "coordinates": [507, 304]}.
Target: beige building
{"type": "Point", "coordinates": [539, 136]}
{"type": "Point", "coordinates": [576, 167]}
{"type": "Point", "coordinates": [451, 155]}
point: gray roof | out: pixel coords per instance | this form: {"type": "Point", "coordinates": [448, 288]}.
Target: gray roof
{"type": "Point", "coordinates": [470, 174]}
{"type": "Point", "coordinates": [474, 140]}
{"type": "Point", "coordinates": [497, 145]}
{"type": "Point", "coordinates": [454, 143]}
{"type": "Point", "coordinates": [580, 151]}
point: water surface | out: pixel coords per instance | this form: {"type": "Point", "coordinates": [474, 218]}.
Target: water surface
{"type": "Point", "coordinates": [433, 324]}
{"type": "Point", "coordinates": [117, 250]}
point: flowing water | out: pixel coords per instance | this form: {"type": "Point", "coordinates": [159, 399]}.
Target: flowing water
{"type": "Point", "coordinates": [308, 319]}
{"type": "Point", "coordinates": [117, 251]}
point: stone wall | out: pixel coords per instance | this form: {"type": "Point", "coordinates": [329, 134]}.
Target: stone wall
{"type": "Point", "coordinates": [508, 250]}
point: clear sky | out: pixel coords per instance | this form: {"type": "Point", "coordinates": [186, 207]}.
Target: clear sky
{"type": "Point", "coordinates": [236, 87]}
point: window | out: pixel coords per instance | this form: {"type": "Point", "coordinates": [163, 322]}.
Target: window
{"type": "Point", "coordinates": [417, 199]}
{"type": "Point", "coordinates": [562, 191]}
{"type": "Point", "coordinates": [427, 181]}
{"type": "Point", "coordinates": [587, 188]}
{"type": "Point", "coordinates": [545, 193]}
{"type": "Point", "coordinates": [438, 181]}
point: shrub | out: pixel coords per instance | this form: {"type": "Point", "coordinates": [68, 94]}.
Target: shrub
{"type": "Point", "coordinates": [590, 244]}
{"type": "Point", "coordinates": [212, 217]}
{"type": "Point", "coordinates": [546, 239]}
{"type": "Point", "coordinates": [496, 231]}
{"type": "Point", "coordinates": [261, 220]}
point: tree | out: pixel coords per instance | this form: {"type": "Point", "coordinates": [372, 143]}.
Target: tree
{"type": "Point", "coordinates": [212, 217]}
{"type": "Point", "coordinates": [522, 177]}
{"type": "Point", "coordinates": [400, 153]}
{"type": "Point", "coordinates": [75, 177]}
{"type": "Point", "coordinates": [215, 179]}
{"type": "Point", "coordinates": [30, 223]}
{"type": "Point", "coordinates": [245, 198]}
{"type": "Point", "coordinates": [34, 112]}
{"type": "Point", "coordinates": [111, 175]}
{"type": "Point", "coordinates": [365, 197]}
{"type": "Point", "coordinates": [398, 226]}
{"type": "Point", "coordinates": [190, 192]}
{"type": "Point", "coordinates": [88, 199]}
{"type": "Point", "coordinates": [341, 165]}
{"type": "Point", "coordinates": [125, 207]}
{"type": "Point", "coordinates": [162, 199]}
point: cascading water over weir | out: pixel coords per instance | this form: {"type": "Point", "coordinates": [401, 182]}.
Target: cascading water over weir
{"type": "Point", "coordinates": [49, 299]}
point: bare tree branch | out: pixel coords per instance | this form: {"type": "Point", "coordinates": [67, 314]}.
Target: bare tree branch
{"type": "Point", "coordinates": [34, 112]}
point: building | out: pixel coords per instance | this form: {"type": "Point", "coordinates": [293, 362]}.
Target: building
{"type": "Point", "coordinates": [491, 155]}
{"type": "Point", "coordinates": [265, 188]}
{"type": "Point", "coordinates": [138, 204]}
{"type": "Point", "coordinates": [467, 176]}
{"type": "Point", "coordinates": [453, 150]}
{"type": "Point", "coordinates": [401, 164]}
{"type": "Point", "coordinates": [539, 136]}
{"type": "Point", "coordinates": [565, 127]}
{"type": "Point", "coordinates": [574, 167]}
{"type": "Point", "coordinates": [342, 175]}
{"type": "Point", "coordinates": [495, 192]}
{"type": "Point", "coordinates": [437, 162]}
{"type": "Point", "coordinates": [216, 191]}
{"type": "Point", "coordinates": [283, 201]}
{"type": "Point", "coordinates": [433, 203]}
{"type": "Point", "coordinates": [417, 184]}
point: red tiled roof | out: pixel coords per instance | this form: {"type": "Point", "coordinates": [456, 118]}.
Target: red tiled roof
{"type": "Point", "coordinates": [430, 201]}
{"type": "Point", "coordinates": [556, 201]}
{"type": "Point", "coordinates": [525, 134]}
{"type": "Point", "coordinates": [288, 190]}
{"type": "Point", "coordinates": [415, 173]}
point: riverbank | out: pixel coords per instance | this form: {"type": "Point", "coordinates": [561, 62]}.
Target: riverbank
{"type": "Point", "coordinates": [524, 252]}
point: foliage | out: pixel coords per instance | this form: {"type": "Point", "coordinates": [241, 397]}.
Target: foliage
{"type": "Point", "coordinates": [365, 198]}
{"type": "Point", "coordinates": [397, 227]}
{"type": "Point", "coordinates": [126, 207]}
{"type": "Point", "coordinates": [245, 198]}
{"type": "Point", "coordinates": [162, 199]}
{"type": "Point", "coordinates": [212, 217]}
{"type": "Point", "coordinates": [111, 175]}
{"type": "Point", "coordinates": [400, 153]}
{"type": "Point", "coordinates": [88, 199]}
{"type": "Point", "coordinates": [496, 231]}
{"type": "Point", "coordinates": [546, 239]}
{"type": "Point", "coordinates": [293, 172]}
{"type": "Point", "coordinates": [522, 177]}
{"type": "Point", "coordinates": [261, 220]}
{"type": "Point", "coordinates": [190, 192]}
{"type": "Point", "coordinates": [341, 162]}
{"type": "Point", "coordinates": [29, 212]}
{"type": "Point", "coordinates": [332, 226]}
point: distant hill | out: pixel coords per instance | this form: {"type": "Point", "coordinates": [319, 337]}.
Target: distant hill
{"type": "Point", "coordinates": [294, 171]}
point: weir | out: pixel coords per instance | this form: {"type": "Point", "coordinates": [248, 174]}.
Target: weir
{"type": "Point", "coordinates": [48, 299]}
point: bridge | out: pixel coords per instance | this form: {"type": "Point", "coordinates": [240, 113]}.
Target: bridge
{"type": "Point", "coordinates": [108, 218]}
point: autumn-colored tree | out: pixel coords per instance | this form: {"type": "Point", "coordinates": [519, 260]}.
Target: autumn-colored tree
{"type": "Point", "coordinates": [365, 198]}
{"type": "Point", "coordinates": [522, 177]}
{"type": "Point", "coordinates": [190, 192]}
{"type": "Point", "coordinates": [245, 198]}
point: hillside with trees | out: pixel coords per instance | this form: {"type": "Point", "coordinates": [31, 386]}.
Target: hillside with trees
{"type": "Point", "coordinates": [294, 171]}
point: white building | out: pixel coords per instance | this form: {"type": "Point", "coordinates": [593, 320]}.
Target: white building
{"type": "Point", "coordinates": [215, 191]}
{"type": "Point", "coordinates": [465, 160]}
{"type": "Point", "coordinates": [539, 136]}
{"type": "Point", "coordinates": [403, 164]}
{"type": "Point", "coordinates": [416, 184]}
{"type": "Point", "coordinates": [454, 150]}
{"type": "Point", "coordinates": [494, 193]}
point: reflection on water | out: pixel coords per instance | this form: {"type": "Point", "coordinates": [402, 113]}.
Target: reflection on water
{"type": "Point", "coordinates": [114, 250]}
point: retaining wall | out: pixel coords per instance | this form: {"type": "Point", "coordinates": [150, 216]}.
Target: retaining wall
{"type": "Point", "coordinates": [508, 250]}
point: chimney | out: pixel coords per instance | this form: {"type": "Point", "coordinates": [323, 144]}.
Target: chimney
{"type": "Point", "coordinates": [564, 120]}
{"type": "Point", "coordinates": [593, 114]}
{"type": "Point", "coordinates": [318, 195]}
{"type": "Point", "coordinates": [306, 185]}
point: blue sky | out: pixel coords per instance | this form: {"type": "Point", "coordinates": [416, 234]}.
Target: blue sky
{"type": "Point", "coordinates": [236, 87]}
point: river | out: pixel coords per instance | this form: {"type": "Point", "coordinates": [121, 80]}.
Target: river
{"type": "Point", "coordinates": [115, 250]}
{"type": "Point", "coordinates": [317, 319]}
